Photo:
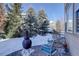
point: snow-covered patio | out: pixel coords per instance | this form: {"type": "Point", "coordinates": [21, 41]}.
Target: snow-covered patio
{"type": "Point", "coordinates": [14, 44]}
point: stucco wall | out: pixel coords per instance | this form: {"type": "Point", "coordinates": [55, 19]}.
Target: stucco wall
{"type": "Point", "coordinates": [73, 42]}
{"type": "Point", "coordinates": [76, 7]}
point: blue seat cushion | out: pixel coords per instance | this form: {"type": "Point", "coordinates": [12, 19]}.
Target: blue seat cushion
{"type": "Point", "coordinates": [47, 48]}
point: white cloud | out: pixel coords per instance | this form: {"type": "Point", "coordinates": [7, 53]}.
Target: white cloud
{"type": "Point", "coordinates": [51, 21]}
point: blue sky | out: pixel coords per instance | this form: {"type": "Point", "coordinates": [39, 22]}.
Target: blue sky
{"type": "Point", "coordinates": [54, 11]}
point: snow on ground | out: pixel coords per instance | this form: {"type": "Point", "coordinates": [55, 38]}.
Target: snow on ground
{"type": "Point", "coordinates": [14, 44]}
{"type": "Point", "coordinates": [40, 40]}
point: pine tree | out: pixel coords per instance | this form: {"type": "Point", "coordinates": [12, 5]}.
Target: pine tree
{"type": "Point", "coordinates": [13, 19]}
{"type": "Point", "coordinates": [30, 22]}
{"type": "Point", "coordinates": [2, 20]}
{"type": "Point", "coordinates": [2, 17]}
{"type": "Point", "coordinates": [42, 22]}
{"type": "Point", "coordinates": [58, 26]}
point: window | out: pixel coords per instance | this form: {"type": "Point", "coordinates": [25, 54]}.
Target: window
{"type": "Point", "coordinates": [77, 20]}
{"type": "Point", "coordinates": [70, 19]}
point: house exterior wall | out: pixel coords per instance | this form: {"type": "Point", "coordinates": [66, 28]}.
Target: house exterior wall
{"type": "Point", "coordinates": [76, 7]}
{"type": "Point", "coordinates": [72, 36]}
{"type": "Point", "coordinates": [73, 43]}
{"type": "Point", "coordinates": [69, 18]}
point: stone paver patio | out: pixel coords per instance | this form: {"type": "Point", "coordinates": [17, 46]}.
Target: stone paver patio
{"type": "Point", "coordinates": [37, 52]}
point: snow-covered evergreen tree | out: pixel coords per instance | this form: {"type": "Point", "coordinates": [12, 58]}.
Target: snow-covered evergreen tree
{"type": "Point", "coordinates": [13, 19]}
{"type": "Point", "coordinates": [42, 22]}
{"type": "Point", "coordinates": [30, 22]}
